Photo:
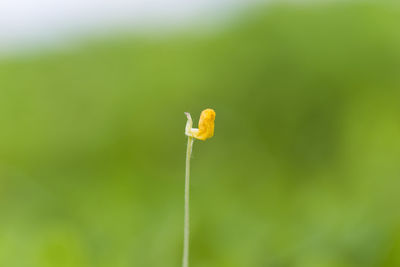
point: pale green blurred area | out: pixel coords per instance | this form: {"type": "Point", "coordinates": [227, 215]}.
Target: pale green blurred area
{"type": "Point", "coordinates": [303, 170]}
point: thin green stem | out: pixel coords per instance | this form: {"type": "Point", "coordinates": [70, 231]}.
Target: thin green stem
{"type": "Point", "coordinates": [185, 260]}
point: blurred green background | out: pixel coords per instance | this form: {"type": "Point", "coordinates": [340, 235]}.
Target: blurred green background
{"type": "Point", "coordinates": [303, 169]}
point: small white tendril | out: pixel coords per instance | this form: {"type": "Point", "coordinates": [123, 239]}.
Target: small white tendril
{"type": "Point", "coordinates": [189, 131]}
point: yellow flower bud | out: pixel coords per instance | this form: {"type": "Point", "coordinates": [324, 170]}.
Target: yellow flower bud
{"type": "Point", "coordinates": [206, 125]}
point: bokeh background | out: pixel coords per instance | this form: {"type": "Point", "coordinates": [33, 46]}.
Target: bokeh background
{"type": "Point", "coordinates": [303, 170]}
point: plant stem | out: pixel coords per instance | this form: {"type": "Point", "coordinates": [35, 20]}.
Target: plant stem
{"type": "Point", "coordinates": [185, 260]}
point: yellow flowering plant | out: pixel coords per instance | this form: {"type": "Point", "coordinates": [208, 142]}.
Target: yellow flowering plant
{"type": "Point", "coordinates": [205, 131]}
